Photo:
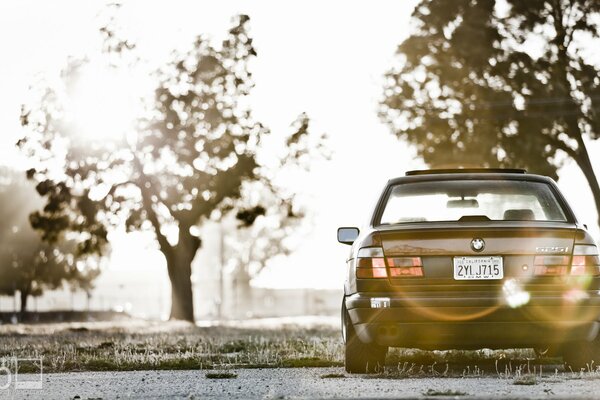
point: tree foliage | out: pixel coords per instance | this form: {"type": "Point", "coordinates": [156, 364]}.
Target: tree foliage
{"type": "Point", "coordinates": [27, 264]}
{"type": "Point", "coordinates": [274, 213]}
{"type": "Point", "coordinates": [499, 84]}
{"type": "Point", "coordinates": [193, 150]}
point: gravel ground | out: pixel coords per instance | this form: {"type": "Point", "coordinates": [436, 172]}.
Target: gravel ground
{"type": "Point", "coordinates": [296, 383]}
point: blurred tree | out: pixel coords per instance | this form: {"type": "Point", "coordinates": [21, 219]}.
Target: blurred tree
{"type": "Point", "coordinates": [27, 265]}
{"type": "Point", "coordinates": [499, 84]}
{"type": "Point", "coordinates": [194, 148]}
{"type": "Point", "coordinates": [271, 217]}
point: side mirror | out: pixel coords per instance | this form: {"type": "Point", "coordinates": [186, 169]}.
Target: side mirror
{"type": "Point", "coordinates": [347, 235]}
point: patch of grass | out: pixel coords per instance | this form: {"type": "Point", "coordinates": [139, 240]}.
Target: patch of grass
{"type": "Point", "coordinates": [525, 380]}
{"type": "Point", "coordinates": [412, 370]}
{"type": "Point", "coordinates": [29, 366]}
{"type": "Point", "coordinates": [99, 364]}
{"type": "Point", "coordinates": [221, 375]}
{"type": "Point", "coordinates": [237, 346]}
{"type": "Point", "coordinates": [146, 345]}
{"type": "Point", "coordinates": [169, 346]}
{"type": "Point", "coordinates": [404, 370]}
{"type": "Point", "coordinates": [303, 362]}
{"type": "Point", "coordinates": [591, 373]}
{"type": "Point", "coordinates": [332, 376]}
{"type": "Point", "coordinates": [484, 358]}
{"type": "Point", "coordinates": [106, 345]}
{"type": "Point", "coordinates": [447, 392]}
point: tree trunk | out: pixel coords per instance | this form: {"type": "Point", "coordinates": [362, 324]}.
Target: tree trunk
{"type": "Point", "coordinates": [179, 258]}
{"type": "Point", "coordinates": [182, 299]}
{"type": "Point", "coordinates": [585, 164]}
{"type": "Point", "coordinates": [24, 297]}
{"type": "Point", "coordinates": [243, 305]}
{"type": "Point", "coordinates": [179, 265]}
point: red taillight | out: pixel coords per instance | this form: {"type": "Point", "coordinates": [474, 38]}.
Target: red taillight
{"type": "Point", "coordinates": [406, 272]}
{"type": "Point", "coordinates": [371, 268]}
{"type": "Point", "coordinates": [585, 261]}
{"type": "Point", "coordinates": [404, 267]}
{"type": "Point", "coordinates": [554, 270]}
{"type": "Point", "coordinates": [370, 263]}
{"type": "Point", "coordinates": [551, 265]}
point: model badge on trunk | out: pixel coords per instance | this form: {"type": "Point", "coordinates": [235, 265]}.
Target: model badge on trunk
{"type": "Point", "coordinates": [552, 249]}
{"type": "Point", "coordinates": [477, 244]}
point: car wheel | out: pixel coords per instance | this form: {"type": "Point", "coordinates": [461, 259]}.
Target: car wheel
{"type": "Point", "coordinates": [360, 357]}
{"type": "Point", "coordinates": [582, 355]}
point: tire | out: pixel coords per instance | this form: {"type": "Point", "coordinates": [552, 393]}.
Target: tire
{"type": "Point", "coordinates": [582, 355]}
{"type": "Point", "coordinates": [360, 358]}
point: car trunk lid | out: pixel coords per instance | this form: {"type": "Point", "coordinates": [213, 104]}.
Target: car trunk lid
{"type": "Point", "coordinates": [518, 243]}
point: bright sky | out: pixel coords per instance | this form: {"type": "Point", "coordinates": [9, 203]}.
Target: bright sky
{"type": "Point", "coordinates": [324, 58]}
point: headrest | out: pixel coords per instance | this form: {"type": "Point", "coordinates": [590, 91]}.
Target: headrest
{"type": "Point", "coordinates": [524, 214]}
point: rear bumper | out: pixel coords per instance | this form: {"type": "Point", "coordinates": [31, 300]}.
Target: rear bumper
{"type": "Point", "coordinates": [471, 323]}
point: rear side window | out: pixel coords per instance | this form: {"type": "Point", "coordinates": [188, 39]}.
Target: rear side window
{"type": "Point", "coordinates": [497, 200]}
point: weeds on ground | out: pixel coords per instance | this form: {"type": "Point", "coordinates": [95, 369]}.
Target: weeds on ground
{"type": "Point", "coordinates": [590, 372]}
{"type": "Point", "coordinates": [332, 376]}
{"type": "Point", "coordinates": [186, 347]}
{"type": "Point", "coordinates": [447, 392]}
{"type": "Point", "coordinates": [520, 372]}
{"type": "Point", "coordinates": [221, 375]}
{"type": "Point", "coordinates": [412, 363]}
{"type": "Point", "coordinates": [411, 370]}
{"type": "Point", "coordinates": [525, 380]}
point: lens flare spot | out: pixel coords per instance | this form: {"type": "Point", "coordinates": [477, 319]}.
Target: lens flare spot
{"type": "Point", "coordinates": [575, 296]}
{"type": "Point", "coordinates": [514, 294]}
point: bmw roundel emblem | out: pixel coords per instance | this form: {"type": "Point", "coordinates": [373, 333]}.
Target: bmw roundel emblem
{"type": "Point", "coordinates": [477, 244]}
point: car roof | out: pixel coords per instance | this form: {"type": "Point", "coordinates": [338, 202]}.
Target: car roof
{"type": "Point", "coordinates": [466, 170]}
{"type": "Point", "coordinates": [472, 173]}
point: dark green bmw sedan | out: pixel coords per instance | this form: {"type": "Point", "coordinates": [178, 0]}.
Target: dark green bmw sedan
{"type": "Point", "coordinates": [468, 259]}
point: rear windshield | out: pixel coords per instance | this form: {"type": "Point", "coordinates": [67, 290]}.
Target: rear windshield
{"type": "Point", "coordinates": [471, 200]}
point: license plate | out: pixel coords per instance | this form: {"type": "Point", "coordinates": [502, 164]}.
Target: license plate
{"type": "Point", "coordinates": [474, 268]}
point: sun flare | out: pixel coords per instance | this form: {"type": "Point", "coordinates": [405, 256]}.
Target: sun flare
{"type": "Point", "coordinates": [103, 104]}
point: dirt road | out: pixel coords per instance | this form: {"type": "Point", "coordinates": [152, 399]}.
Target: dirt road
{"type": "Point", "coordinates": [300, 383]}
